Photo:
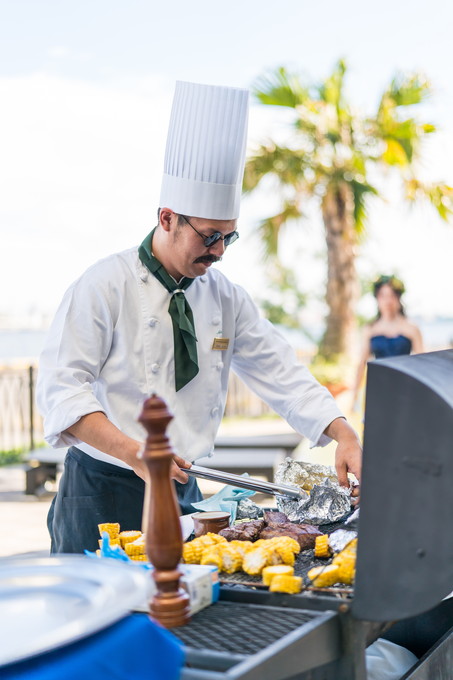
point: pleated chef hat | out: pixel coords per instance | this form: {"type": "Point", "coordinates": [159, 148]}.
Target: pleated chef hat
{"type": "Point", "coordinates": [205, 153]}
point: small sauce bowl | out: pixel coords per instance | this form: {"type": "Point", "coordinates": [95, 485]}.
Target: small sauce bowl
{"type": "Point", "coordinates": [210, 522]}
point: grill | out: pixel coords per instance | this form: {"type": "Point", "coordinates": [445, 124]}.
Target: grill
{"type": "Point", "coordinates": [305, 560]}
{"type": "Point", "coordinates": [404, 567]}
{"type": "Point", "coordinates": [240, 628]}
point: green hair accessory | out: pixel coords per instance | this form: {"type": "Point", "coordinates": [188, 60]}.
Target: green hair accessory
{"type": "Point", "coordinates": [395, 283]}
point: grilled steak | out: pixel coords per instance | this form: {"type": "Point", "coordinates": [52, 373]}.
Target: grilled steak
{"type": "Point", "coordinates": [305, 534]}
{"type": "Point", "coordinates": [274, 524]}
{"type": "Point", "coordinates": [273, 519]}
{"type": "Point", "coordinates": [246, 531]}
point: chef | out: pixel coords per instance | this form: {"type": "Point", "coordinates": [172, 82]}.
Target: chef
{"type": "Point", "coordinates": [159, 319]}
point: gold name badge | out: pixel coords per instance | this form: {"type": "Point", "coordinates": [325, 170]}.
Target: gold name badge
{"type": "Point", "coordinates": [221, 343]}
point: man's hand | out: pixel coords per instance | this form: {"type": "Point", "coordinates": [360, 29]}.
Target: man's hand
{"type": "Point", "coordinates": [176, 473]}
{"type": "Point", "coordinates": [95, 429]}
{"type": "Point", "coordinates": [141, 470]}
{"type": "Point", "coordinates": [348, 456]}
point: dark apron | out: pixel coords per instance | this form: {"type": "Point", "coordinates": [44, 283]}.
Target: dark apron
{"type": "Point", "coordinates": [92, 492]}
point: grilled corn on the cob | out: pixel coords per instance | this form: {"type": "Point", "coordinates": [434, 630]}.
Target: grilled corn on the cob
{"type": "Point", "coordinates": [128, 537]}
{"type": "Point", "coordinates": [234, 555]}
{"type": "Point", "coordinates": [345, 561]}
{"type": "Point", "coordinates": [112, 528]}
{"type": "Point", "coordinates": [255, 560]}
{"type": "Point", "coordinates": [323, 577]}
{"type": "Point", "coordinates": [287, 541]}
{"type": "Point", "coordinates": [112, 541]}
{"type": "Point", "coordinates": [135, 547]}
{"type": "Point", "coordinates": [322, 548]}
{"type": "Point", "coordinates": [279, 570]}
{"type": "Point", "coordinates": [283, 583]}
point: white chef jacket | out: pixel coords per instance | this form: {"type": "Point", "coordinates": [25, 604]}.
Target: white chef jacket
{"type": "Point", "coordinates": [110, 347]}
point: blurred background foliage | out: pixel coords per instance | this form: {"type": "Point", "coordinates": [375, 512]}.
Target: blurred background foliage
{"type": "Point", "coordinates": [330, 154]}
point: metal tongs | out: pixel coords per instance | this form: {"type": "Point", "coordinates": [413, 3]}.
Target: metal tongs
{"type": "Point", "coordinates": [245, 482]}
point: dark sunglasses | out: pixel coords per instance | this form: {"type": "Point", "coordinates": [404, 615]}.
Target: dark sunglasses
{"type": "Point", "coordinates": [208, 241]}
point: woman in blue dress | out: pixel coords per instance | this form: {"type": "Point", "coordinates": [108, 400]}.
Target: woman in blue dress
{"type": "Point", "coordinates": [391, 333]}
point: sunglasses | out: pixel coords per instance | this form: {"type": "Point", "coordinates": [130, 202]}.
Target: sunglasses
{"type": "Point", "coordinates": [209, 241]}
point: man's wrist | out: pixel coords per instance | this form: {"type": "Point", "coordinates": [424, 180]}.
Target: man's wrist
{"type": "Point", "coordinates": [339, 429]}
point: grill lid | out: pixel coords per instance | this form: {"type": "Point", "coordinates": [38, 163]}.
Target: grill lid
{"type": "Point", "coordinates": [405, 549]}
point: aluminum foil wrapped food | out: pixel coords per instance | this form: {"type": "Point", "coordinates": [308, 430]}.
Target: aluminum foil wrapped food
{"type": "Point", "coordinates": [325, 501]}
{"type": "Point", "coordinates": [339, 539]}
{"type": "Point", "coordinates": [248, 509]}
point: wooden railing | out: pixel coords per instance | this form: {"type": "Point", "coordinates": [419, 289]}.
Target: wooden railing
{"type": "Point", "coordinates": [21, 425]}
{"type": "Point", "coordinates": [241, 401]}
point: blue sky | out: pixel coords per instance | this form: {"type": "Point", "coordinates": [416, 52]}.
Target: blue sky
{"type": "Point", "coordinates": [86, 89]}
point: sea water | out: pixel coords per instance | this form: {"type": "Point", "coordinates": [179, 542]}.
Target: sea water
{"type": "Point", "coordinates": [26, 344]}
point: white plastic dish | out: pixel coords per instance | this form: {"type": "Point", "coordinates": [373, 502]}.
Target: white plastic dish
{"type": "Point", "coordinates": [48, 602]}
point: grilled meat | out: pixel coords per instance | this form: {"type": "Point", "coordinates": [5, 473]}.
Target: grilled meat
{"type": "Point", "coordinates": [246, 531]}
{"type": "Point", "coordinates": [273, 519]}
{"type": "Point", "coordinates": [274, 524]}
{"type": "Point", "coordinates": [304, 534]}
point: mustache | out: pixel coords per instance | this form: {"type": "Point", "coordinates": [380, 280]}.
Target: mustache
{"type": "Point", "coordinates": [208, 258]}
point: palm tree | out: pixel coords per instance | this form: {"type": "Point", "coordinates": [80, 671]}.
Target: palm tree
{"type": "Point", "coordinates": [329, 157]}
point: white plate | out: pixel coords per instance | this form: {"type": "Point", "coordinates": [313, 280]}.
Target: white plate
{"type": "Point", "coordinates": [186, 522]}
{"type": "Point", "coordinates": [51, 601]}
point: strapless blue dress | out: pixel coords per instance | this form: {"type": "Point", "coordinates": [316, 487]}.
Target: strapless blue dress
{"type": "Point", "coordinates": [382, 346]}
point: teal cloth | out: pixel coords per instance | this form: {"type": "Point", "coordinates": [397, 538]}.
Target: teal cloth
{"type": "Point", "coordinates": [226, 499]}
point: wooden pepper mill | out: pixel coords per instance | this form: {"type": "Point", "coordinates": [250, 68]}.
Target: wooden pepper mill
{"type": "Point", "coordinates": [170, 604]}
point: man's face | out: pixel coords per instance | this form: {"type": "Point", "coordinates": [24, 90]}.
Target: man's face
{"type": "Point", "coordinates": [189, 256]}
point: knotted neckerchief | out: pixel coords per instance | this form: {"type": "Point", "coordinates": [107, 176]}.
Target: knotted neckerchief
{"type": "Point", "coordinates": [184, 338]}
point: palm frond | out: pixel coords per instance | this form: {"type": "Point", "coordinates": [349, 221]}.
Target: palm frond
{"type": "Point", "coordinates": [331, 90]}
{"type": "Point", "coordinates": [361, 191]}
{"type": "Point", "coordinates": [396, 153]}
{"type": "Point", "coordinates": [286, 165]}
{"type": "Point", "coordinates": [271, 226]}
{"type": "Point", "coordinates": [402, 136]}
{"type": "Point", "coordinates": [406, 90]}
{"type": "Point", "coordinates": [440, 195]}
{"type": "Point", "coordinates": [402, 139]}
{"type": "Point", "coordinates": [280, 88]}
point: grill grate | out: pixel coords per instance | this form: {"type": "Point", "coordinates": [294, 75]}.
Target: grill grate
{"type": "Point", "coordinates": [305, 560]}
{"type": "Point", "coordinates": [240, 628]}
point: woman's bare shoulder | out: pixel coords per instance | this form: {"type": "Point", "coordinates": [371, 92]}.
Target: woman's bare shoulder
{"type": "Point", "coordinates": [373, 328]}
{"type": "Point", "coordinates": [411, 329]}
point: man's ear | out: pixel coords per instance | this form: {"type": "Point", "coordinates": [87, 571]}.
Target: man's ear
{"type": "Point", "coordinates": [165, 218]}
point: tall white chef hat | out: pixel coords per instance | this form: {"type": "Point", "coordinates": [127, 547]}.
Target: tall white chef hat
{"type": "Point", "coordinates": [205, 153]}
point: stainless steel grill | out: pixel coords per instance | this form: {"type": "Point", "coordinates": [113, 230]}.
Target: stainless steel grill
{"type": "Point", "coordinates": [240, 628]}
{"type": "Point", "coordinates": [404, 561]}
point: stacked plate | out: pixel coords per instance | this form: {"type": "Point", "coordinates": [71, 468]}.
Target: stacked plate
{"type": "Point", "coordinates": [51, 601]}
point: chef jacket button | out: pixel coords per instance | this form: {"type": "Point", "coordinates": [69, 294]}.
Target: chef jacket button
{"type": "Point", "coordinates": [219, 365]}
{"type": "Point", "coordinates": [216, 321]}
{"type": "Point", "coordinates": [152, 322]}
{"type": "Point", "coordinates": [214, 411]}
{"type": "Point", "coordinates": [203, 278]}
{"type": "Point", "coordinates": [144, 276]}
{"type": "Point", "coordinates": [155, 368]}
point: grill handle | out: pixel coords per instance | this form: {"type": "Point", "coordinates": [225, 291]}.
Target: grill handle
{"type": "Point", "coordinates": [245, 482]}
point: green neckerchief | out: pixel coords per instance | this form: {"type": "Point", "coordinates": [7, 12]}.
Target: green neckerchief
{"type": "Point", "coordinates": [184, 338]}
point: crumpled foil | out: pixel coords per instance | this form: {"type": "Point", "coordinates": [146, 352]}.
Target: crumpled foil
{"type": "Point", "coordinates": [247, 509]}
{"type": "Point", "coordinates": [325, 502]}
{"type": "Point", "coordinates": [353, 521]}
{"type": "Point", "coordinates": [340, 538]}
{"type": "Point", "coordinates": [304, 475]}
